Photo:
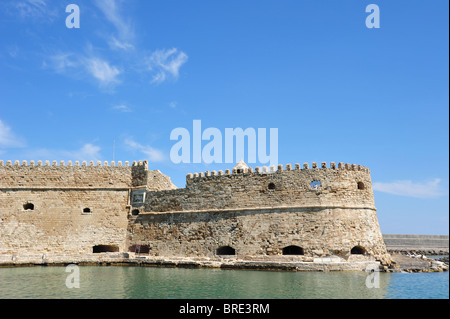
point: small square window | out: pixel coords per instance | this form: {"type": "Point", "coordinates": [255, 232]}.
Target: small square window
{"type": "Point", "coordinates": [315, 185]}
{"type": "Point", "coordinates": [138, 197]}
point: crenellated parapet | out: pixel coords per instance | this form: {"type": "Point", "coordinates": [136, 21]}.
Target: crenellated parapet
{"type": "Point", "coordinates": [84, 174]}
{"type": "Point", "coordinates": [88, 175]}
{"type": "Point", "coordinates": [316, 185]}
{"type": "Point", "coordinates": [76, 164]}
{"type": "Point", "coordinates": [279, 169]}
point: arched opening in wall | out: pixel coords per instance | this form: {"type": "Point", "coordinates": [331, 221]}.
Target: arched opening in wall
{"type": "Point", "coordinates": [139, 249]}
{"type": "Point", "coordinates": [87, 210]}
{"type": "Point", "coordinates": [225, 250]}
{"type": "Point", "coordinates": [361, 185]}
{"type": "Point", "coordinates": [357, 250]}
{"type": "Point", "coordinates": [28, 206]}
{"type": "Point", "coordinates": [239, 171]}
{"type": "Point", "coordinates": [315, 185]}
{"type": "Point", "coordinates": [293, 250]}
{"type": "Point", "coordinates": [135, 212]}
{"type": "Point", "coordinates": [271, 186]}
{"type": "Point", "coordinates": [104, 249]}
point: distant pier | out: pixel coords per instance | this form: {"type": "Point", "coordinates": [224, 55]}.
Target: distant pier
{"type": "Point", "coordinates": [426, 244]}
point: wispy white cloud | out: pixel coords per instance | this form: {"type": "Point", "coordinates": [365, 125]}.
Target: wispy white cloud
{"type": "Point", "coordinates": [122, 108]}
{"type": "Point", "coordinates": [162, 65]}
{"type": "Point", "coordinates": [125, 31]}
{"type": "Point", "coordinates": [8, 139]}
{"type": "Point", "coordinates": [101, 70]}
{"type": "Point", "coordinates": [153, 154]}
{"type": "Point", "coordinates": [115, 43]}
{"type": "Point", "coordinates": [88, 152]}
{"type": "Point", "coordinates": [13, 51]}
{"type": "Point", "coordinates": [166, 64]}
{"type": "Point", "coordinates": [105, 73]}
{"type": "Point", "coordinates": [33, 9]}
{"type": "Point", "coordinates": [408, 188]}
{"type": "Point", "coordinates": [60, 62]}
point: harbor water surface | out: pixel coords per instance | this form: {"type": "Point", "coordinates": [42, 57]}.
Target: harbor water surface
{"type": "Point", "coordinates": [177, 283]}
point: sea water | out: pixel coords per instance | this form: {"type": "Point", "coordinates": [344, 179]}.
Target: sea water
{"type": "Point", "coordinates": [115, 282]}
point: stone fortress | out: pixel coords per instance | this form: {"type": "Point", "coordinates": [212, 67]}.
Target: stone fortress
{"type": "Point", "coordinates": [307, 217]}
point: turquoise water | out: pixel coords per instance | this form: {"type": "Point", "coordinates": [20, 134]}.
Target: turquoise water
{"type": "Point", "coordinates": [178, 283]}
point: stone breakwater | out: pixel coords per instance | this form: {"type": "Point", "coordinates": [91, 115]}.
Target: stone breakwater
{"type": "Point", "coordinates": [444, 260]}
{"type": "Point", "coordinates": [418, 263]}
{"type": "Point", "coordinates": [410, 251]}
{"type": "Point", "coordinates": [426, 252]}
{"type": "Point", "coordinates": [406, 244]}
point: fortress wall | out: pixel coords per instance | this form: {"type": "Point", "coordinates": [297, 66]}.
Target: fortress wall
{"type": "Point", "coordinates": [100, 175]}
{"type": "Point", "coordinates": [157, 181]}
{"type": "Point", "coordinates": [260, 232]}
{"type": "Point", "coordinates": [57, 223]}
{"type": "Point", "coordinates": [46, 175]}
{"type": "Point", "coordinates": [213, 190]}
{"type": "Point", "coordinates": [59, 194]}
{"type": "Point", "coordinates": [254, 211]}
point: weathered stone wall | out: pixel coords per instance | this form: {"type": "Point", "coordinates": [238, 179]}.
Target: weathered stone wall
{"type": "Point", "coordinates": [57, 224]}
{"type": "Point", "coordinates": [157, 181]}
{"type": "Point", "coordinates": [38, 175]}
{"type": "Point", "coordinates": [261, 232]}
{"type": "Point", "coordinates": [290, 187]}
{"type": "Point", "coordinates": [258, 213]}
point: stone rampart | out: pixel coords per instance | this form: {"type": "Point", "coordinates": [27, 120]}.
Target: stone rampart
{"type": "Point", "coordinates": [318, 232]}
{"type": "Point", "coordinates": [343, 186]}
{"type": "Point", "coordinates": [326, 211]}
{"type": "Point", "coordinates": [69, 208]}
{"type": "Point", "coordinates": [402, 242]}
{"type": "Point", "coordinates": [76, 175]}
{"type": "Point", "coordinates": [322, 210]}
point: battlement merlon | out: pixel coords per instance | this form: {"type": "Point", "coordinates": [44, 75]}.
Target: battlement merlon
{"type": "Point", "coordinates": [278, 169]}
{"type": "Point", "coordinates": [108, 175]}
{"type": "Point", "coordinates": [76, 163]}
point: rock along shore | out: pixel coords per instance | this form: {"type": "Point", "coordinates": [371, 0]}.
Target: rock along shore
{"type": "Point", "coordinates": [418, 263]}
{"type": "Point", "coordinates": [403, 263]}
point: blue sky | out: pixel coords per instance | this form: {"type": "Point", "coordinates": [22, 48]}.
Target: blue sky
{"type": "Point", "coordinates": [336, 90]}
